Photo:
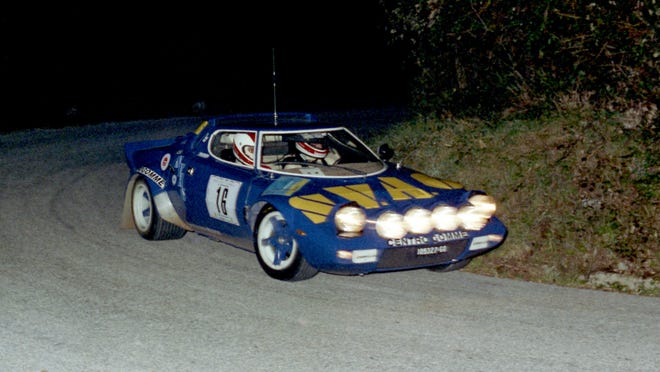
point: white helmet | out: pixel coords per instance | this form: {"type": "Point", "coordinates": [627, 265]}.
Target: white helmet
{"type": "Point", "coordinates": [314, 150]}
{"type": "Point", "coordinates": [244, 148]}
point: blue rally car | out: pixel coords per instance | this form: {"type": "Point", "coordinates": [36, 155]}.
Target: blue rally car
{"type": "Point", "coordinates": [305, 197]}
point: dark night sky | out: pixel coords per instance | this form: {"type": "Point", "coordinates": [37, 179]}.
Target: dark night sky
{"type": "Point", "coordinates": [125, 63]}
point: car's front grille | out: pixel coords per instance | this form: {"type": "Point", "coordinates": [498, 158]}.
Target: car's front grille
{"type": "Point", "coordinates": [403, 257]}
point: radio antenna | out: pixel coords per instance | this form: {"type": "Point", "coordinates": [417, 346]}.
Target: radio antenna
{"type": "Point", "coordinates": [274, 93]}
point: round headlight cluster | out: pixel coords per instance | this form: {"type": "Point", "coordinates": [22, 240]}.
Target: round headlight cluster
{"type": "Point", "coordinates": [390, 225]}
{"type": "Point", "coordinates": [484, 203]}
{"type": "Point", "coordinates": [418, 221]}
{"type": "Point", "coordinates": [472, 216]}
{"type": "Point", "coordinates": [350, 221]}
{"type": "Point", "coordinates": [445, 218]}
{"type": "Point", "coordinates": [475, 215]}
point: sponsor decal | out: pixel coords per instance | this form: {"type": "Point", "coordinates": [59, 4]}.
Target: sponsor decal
{"type": "Point", "coordinates": [449, 236]}
{"type": "Point", "coordinates": [422, 240]}
{"type": "Point", "coordinates": [425, 251]}
{"type": "Point", "coordinates": [407, 242]}
{"type": "Point", "coordinates": [205, 139]}
{"type": "Point", "coordinates": [165, 161]}
{"type": "Point", "coordinates": [221, 196]}
{"type": "Point", "coordinates": [180, 172]}
{"type": "Point", "coordinates": [152, 175]}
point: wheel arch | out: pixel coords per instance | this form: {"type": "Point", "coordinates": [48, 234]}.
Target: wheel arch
{"type": "Point", "coordinates": [297, 269]}
{"type": "Point", "coordinates": [126, 214]}
{"type": "Point", "coordinates": [162, 202]}
{"type": "Point", "coordinates": [258, 209]}
{"type": "Point", "coordinates": [293, 218]}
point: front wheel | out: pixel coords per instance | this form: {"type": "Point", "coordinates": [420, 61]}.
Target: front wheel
{"type": "Point", "coordinates": [148, 222]}
{"type": "Point", "coordinates": [277, 250]}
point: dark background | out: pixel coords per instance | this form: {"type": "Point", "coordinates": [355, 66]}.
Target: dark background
{"type": "Point", "coordinates": [71, 65]}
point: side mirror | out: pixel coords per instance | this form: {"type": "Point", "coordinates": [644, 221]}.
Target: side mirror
{"type": "Point", "coordinates": [385, 152]}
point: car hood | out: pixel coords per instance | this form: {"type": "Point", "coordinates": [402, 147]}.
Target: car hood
{"type": "Point", "coordinates": [395, 189]}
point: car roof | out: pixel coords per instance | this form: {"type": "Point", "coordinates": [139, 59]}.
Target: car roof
{"type": "Point", "coordinates": [270, 121]}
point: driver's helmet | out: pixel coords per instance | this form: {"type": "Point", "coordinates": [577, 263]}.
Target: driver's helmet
{"type": "Point", "coordinates": [244, 148]}
{"type": "Point", "coordinates": [312, 150]}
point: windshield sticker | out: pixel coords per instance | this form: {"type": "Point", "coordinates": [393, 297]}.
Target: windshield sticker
{"type": "Point", "coordinates": [312, 171]}
{"type": "Point", "coordinates": [221, 196]}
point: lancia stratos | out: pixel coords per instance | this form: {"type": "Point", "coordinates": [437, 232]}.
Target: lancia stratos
{"type": "Point", "coordinates": [304, 196]}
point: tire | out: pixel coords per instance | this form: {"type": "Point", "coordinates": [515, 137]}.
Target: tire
{"type": "Point", "coordinates": [148, 222]}
{"type": "Point", "coordinates": [277, 250]}
{"type": "Point", "coordinates": [451, 267]}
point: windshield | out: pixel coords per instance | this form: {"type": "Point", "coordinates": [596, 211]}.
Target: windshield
{"type": "Point", "coordinates": [323, 153]}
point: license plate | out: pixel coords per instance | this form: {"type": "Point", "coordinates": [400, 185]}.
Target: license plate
{"type": "Point", "coordinates": [426, 251]}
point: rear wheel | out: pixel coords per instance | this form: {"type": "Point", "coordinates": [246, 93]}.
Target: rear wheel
{"type": "Point", "coordinates": [277, 250]}
{"type": "Point", "coordinates": [148, 222]}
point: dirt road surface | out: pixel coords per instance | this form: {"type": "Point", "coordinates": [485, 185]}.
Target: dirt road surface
{"type": "Point", "coordinates": [78, 293]}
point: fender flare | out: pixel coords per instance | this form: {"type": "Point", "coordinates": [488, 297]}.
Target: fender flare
{"type": "Point", "coordinates": [162, 201]}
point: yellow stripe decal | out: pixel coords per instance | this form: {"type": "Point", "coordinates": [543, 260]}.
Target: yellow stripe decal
{"type": "Point", "coordinates": [316, 206]}
{"type": "Point", "coordinates": [437, 183]}
{"type": "Point", "coordinates": [361, 194]}
{"type": "Point", "coordinates": [400, 190]}
{"type": "Point", "coordinates": [201, 127]}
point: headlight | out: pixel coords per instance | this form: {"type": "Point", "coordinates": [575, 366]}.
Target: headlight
{"type": "Point", "coordinates": [476, 215]}
{"type": "Point", "coordinates": [418, 221]}
{"type": "Point", "coordinates": [445, 218]}
{"type": "Point", "coordinates": [484, 203]}
{"type": "Point", "coordinates": [389, 225]}
{"type": "Point", "coordinates": [472, 218]}
{"type": "Point", "coordinates": [350, 220]}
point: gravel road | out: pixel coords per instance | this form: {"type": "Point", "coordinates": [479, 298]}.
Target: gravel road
{"type": "Point", "coordinates": [77, 293]}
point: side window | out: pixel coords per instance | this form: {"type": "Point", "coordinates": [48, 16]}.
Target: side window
{"type": "Point", "coordinates": [273, 149]}
{"type": "Point", "coordinates": [220, 146]}
{"type": "Point", "coordinates": [234, 147]}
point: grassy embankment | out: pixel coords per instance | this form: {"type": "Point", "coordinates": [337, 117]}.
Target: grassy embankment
{"type": "Point", "coordinates": [579, 192]}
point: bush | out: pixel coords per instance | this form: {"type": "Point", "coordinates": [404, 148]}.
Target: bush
{"type": "Point", "coordinates": [505, 56]}
{"type": "Point", "coordinates": [579, 190]}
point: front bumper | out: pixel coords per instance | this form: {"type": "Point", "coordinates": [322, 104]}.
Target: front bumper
{"type": "Point", "coordinates": [432, 250]}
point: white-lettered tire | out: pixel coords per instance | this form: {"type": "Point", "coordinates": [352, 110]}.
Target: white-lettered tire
{"type": "Point", "coordinates": [148, 222]}
{"type": "Point", "coordinates": [277, 249]}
